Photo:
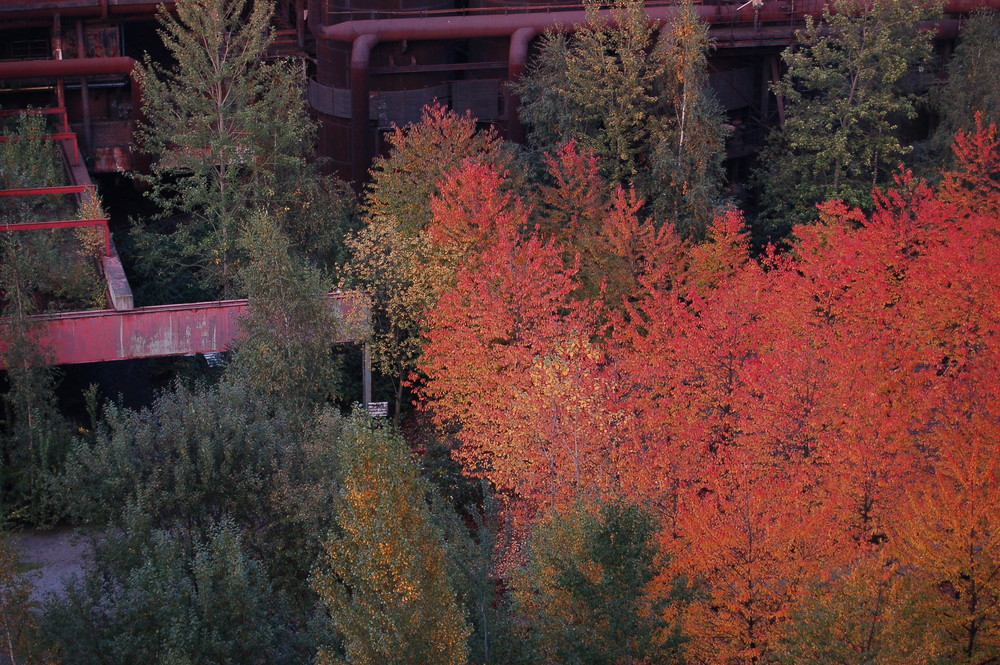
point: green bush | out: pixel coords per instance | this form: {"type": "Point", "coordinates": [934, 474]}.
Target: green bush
{"type": "Point", "coordinates": [165, 597]}
{"type": "Point", "coordinates": [587, 589]}
{"type": "Point", "coordinates": [194, 456]}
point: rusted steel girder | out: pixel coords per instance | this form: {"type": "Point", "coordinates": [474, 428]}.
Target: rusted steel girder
{"type": "Point", "coordinates": [63, 224]}
{"type": "Point", "coordinates": [165, 330]}
{"type": "Point", "coordinates": [27, 69]}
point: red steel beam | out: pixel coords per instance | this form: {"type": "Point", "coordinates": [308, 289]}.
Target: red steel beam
{"type": "Point", "coordinates": [165, 330]}
{"type": "Point", "coordinates": [54, 137]}
{"type": "Point", "coordinates": [26, 69]}
{"type": "Point", "coordinates": [503, 25]}
{"type": "Point", "coordinates": [6, 113]}
{"type": "Point", "coordinates": [63, 224]}
{"type": "Point", "coordinates": [44, 191]}
{"type": "Point", "coordinates": [61, 112]}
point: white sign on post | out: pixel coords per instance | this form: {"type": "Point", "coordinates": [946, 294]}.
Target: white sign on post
{"type": "Point", "coordinates": [378, 409]}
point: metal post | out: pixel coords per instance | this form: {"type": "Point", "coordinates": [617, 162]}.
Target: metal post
{"type": "Point", "coordinates": [776, 76]}
{"type": "Point", "coordinates": [366, 375]}
{"type": "Point", "coordinates": [57, 53]}
{"type": "Point", "coordinates": [84, 91]}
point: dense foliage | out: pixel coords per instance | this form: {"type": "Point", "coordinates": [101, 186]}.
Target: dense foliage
{"type": "Point", "coordinates": [849, 88]}
{"type": "Point", "coordinates": [636, 437]}
{"type": "Point", "coordinates": [641, 104]}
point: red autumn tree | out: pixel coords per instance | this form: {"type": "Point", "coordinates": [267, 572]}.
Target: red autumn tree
{"type": "Point", "coordinates": [509, 364]}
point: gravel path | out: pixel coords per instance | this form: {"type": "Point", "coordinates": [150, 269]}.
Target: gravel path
{"type": "Point", "coordinates": [54, 557]}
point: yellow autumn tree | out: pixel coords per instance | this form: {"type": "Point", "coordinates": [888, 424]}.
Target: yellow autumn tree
{"type": "Point", "coordinates": [949, 527]}
{"type": "Point", "coordinates": [382, 574]}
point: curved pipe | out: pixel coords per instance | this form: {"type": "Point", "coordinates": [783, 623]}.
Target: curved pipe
{"type": "Point", "coordinates": [522, 28]}
{"type": "Point", "coordinates": [504, 25]}
{"type": "Point", "coordinates": [490, 25]}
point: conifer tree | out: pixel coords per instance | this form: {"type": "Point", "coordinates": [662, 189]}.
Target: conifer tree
{"type": "Point", "coordinates": [383, 574]}
{"type": "Point", "coordinates": [846, 96]}
{"type": "Point", "coordinates": [227, 132]}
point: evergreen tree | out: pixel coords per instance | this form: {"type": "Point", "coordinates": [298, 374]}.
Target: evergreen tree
{"type": "Point", "coordinates": [846, 97]}
{"type": "Point", "coordinates": [228, 134]}
{"type": "Point", "coordinates": [588, 589]}
{"type": "Point", "coordinates": [971, 86]}
{"type": "Point", "coordinates": [383, 574]}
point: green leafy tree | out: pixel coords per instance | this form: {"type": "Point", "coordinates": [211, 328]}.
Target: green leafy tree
{"type": "Point", "coordinates": [386, 263]}
{"type": "Point", "coordinates": [383, 574]}
{"type": "Point", "coordinates": [194, 457]}
{"type": "Point", "coordinates": [198, 456]}
{"type": "Point", "coordinates": [596, 87]}
{"type": "Point", "coordinates": [285, 348]}
{"type": "Point", "coordinates": [971, 86]}
{"type": "Point", "coordinates": [228, 134]}
{"type": "Point", "coordinates": [21, 640]}
{"type": "Point", "coordinates": [642, 106]}
{"type": "Point", "coordinates": [33, 434]}
{"type": "Point", "coordinates": [690, 140]}
{"type": "Point", "coordinates": [588, 589]}
{"type": "Point", "coordinates": [27, 160]}
{"type": "Point", "coordinates": [846, 95]}
{"type": "Point", "coordinates": [867, 613]}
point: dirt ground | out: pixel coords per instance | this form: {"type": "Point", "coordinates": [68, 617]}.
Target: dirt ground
{"type": "Point", "coordinates": [52, 557]}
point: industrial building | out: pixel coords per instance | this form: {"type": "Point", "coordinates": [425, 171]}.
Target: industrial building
{"type": "Point", "coordinates": [372, 64]}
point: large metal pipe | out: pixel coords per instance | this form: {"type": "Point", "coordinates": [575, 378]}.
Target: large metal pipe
{"type": "Point", "coordinates": [504, 25]}
{"type": "Point", "coordinates": [81, 51]}
{"type": "Point", "coordinates": [523, 27]}
{"type": "Point", "coordinates": [27, 69]}
{"type": "Point", "coordinates": [517, 62]}
{"type": "Point", "coordinates": [361, 53]}
{"type": "Point", "coordinates": [490, 25]}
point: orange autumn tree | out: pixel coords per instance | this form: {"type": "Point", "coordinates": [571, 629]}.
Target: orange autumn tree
{"type": "Point", "coordinates": [507, 359]}
{"type": "Point", "coordinates": [948, 531]}
{"type": "Point", "coordinates": [801, 423]}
